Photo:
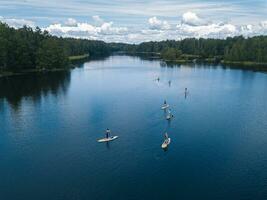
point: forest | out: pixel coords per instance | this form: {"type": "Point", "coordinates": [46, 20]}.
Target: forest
{"type": "Point", "coordinates": [230, 50]}
{"type": "Point", "coordinates": [25, 48]}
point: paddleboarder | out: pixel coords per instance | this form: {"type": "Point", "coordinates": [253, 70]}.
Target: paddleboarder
{"type": "Point", "coordinates": [108, 133]}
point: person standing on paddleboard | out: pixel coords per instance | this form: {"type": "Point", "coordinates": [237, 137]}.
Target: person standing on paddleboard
{"type": "Point", "coordinates": [185, 93]}
{"type": "Point", "coordinates": [166, 136]}
{"type": "Point", "coordinates": [108, 133]}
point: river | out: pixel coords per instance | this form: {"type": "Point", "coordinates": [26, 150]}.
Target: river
{"type": "Point", "coordinates": [50, 124]}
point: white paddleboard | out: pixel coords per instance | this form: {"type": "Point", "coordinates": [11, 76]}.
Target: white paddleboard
{"type": "Point", "coordinates": [165, 106]}
{"type": "Point", "coordinates": [166, 143]}
{"type": "Point", "coordinates": [168, 117]}
{"type": "Point", "coordinates": [108, 139]}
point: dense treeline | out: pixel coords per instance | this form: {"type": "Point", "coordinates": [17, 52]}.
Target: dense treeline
{"type": "Point", "coordinates": [236, 49]}
{"type": "Point", "coordinates": [26, 48]}
{"type": "Point", "coordinates": [204, 47]}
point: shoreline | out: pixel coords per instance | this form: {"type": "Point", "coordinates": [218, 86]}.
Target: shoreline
{"type": "Point", "coordinates": [22, 72]}
{"type": "Point", "coordinates": [247, 65]}
{"type": "Point", "coordinates": [78, 57]}
{"type": "Point", "coordinates": [72, 59]}
{"type": "Point", "coordinates": [262, 66]}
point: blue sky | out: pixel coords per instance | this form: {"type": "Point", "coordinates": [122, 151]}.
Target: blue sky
{"type": "Point", "coordinates": [139, 20]}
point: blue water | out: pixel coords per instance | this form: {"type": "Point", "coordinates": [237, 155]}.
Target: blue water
{"type": "Point", "coordinates": [49, 124]}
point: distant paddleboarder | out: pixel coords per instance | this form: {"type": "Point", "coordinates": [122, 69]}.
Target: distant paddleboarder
{"type": "Point", "coordinates": [185, 93]}
{"type": "Point", "coordinates": [166, 136]}
{"type": "Point", "coordinates": [169, 115]}
{"type": "Point", "coordinates": [108, 137]}
{"type": "Point", "coordinates": [166, 141]}
{"type": "Point", "coordinates": [108, 133]}
{"type": "Point", "coordinates": [165, 105]}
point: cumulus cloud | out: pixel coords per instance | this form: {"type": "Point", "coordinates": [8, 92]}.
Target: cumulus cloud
{"type": "Point", "coordinates": [98, 20]}
{"type": "Point", "coordinates": [86, 30]}
{"type": "Point", "coordinates": [157, 24]}
{"type": "Point", "coordinates": [17, 23]}
{"type": "Point", "coordinates": [213, 30]}
{"type": "Point", "coordinates": [192, 19]}
{"type": "Point", "coordinates": [71, 22]}
{"type": "Point", "coordinates": [189, 25]}
{"type": "Point", "coordinates": [192, 25]}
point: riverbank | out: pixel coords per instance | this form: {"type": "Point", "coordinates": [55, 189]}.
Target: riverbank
{"type": "Point", "coordinates": [21, 72]}
{"type": "Point", "coordinates": [246, 64]}
{"type": "Point", "coordinates": [185, 59]}
{"type": "Point", "coordinates": [249, 65]}
{"type": "Point", "coordinates": [78, 57]}
{"type": "Point", "coordinates": [72, 59]}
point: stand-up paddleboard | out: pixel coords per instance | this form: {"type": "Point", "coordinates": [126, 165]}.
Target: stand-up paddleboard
{"type": "Point", "coordinates": [108, 139]}
{"type": "Point", "coordinates": [166, 143]}
{"type": "Point", "coordinates": [165, 106]}
{"type": "Point", "coordinates": [169, 116]}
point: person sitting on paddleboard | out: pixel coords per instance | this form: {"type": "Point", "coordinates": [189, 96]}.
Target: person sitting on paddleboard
{"type": "Point", "coordinates": [165, 102]}
{"type": "Point", "coordinates": [107, 133]}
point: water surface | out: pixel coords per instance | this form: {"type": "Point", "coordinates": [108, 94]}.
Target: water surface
{"type": "Point", "coordinates": [50, 124]}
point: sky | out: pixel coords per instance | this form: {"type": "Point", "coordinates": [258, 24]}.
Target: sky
{"type": "Point", "coordinates": [135, 21]}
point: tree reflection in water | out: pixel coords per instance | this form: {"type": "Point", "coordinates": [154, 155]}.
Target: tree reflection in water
{"type": "Point", "coordinates": [14, 89]}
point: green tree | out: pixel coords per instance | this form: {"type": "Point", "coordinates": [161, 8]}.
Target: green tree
{"type": "Point", "coordinates": [50, 55]}
{"type": "Point", "coordinates": [171, 54]}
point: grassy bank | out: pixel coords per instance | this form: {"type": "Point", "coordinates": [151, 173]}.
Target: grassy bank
{"type": "Point", "coordinates": [187, 58]}
{"type": "Point", "coordinates": [26, 71]}
{"type": "Point", "coordinates": [78, 57]}
{"type": "Point", "coordinates": [72, 59]}
{"type": "Point", "coordinates": [245, 63]}
{"type": "Point", "coordinates": [179, 61]}
{"type": "Point", "coordinates": [256, 66]}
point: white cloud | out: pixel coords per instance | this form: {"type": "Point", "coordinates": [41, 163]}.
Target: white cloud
{"type": "Point", "coordinates": [108, 29]}
{"type": "Point", "coordinates": [17, 23]}
{"type": "Point", "coordinates": [263, 24]}
{"type": "Point", "coordinates": [192, 19]}
{"type": "Point", "coordinates": [193, 26]}
{"type": "Point", "coordinates": [190, 25]}
{"type": "Point", "coordinates": [98, 20]}
{"type": "Point", "coordinates": [157, 24]}
{"type": "Point", "coordinates": [71, 22]}
{"type": "Point", "coordinates": [86, 30]}
{"type": "Point", "coordinates": [213, 30]}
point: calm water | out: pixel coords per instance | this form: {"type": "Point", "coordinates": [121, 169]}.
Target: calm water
{"type": "Point", "coordinates": [50, 124]}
